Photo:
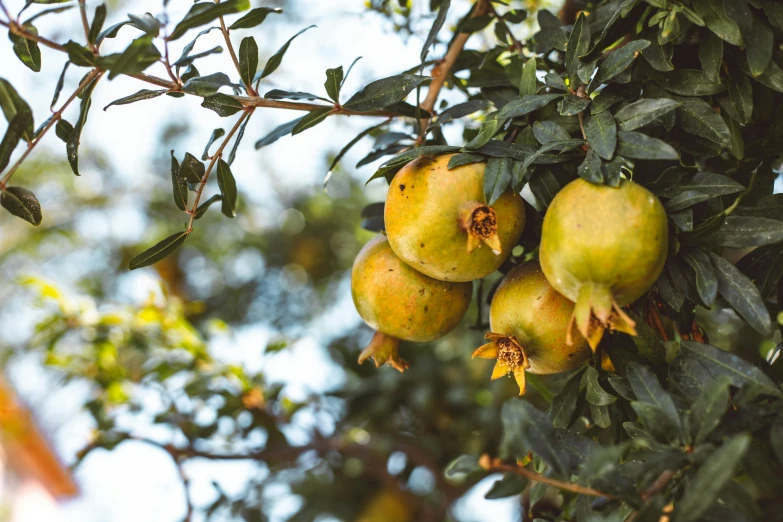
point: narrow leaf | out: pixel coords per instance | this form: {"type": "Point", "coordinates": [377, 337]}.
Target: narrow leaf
{"type": "Point", "coordinates": [154, 254]}
{"type": "Point", "coordinates": [144, 94]}
{"type": "Point", "coordinates": [223, 104]}
{"type": "Point", "coordinates": [640, 146]}
{"type": "Point", "coordinates": [382, 93]}
{"type": "Point", "coordinates": [437, 24]}
{"type": "Point", "coordinates": [276, 59]}
{"type": "Point", "coordinates": [255, 17]}
{"type": "Point", "coordinates": [22, 203]}
{"type": "Point", "coordinates": [248, 60]}
{"type": "Point", "coordinates": [741, 294]}
{"type": "Point", "coordinates": [601, 133]}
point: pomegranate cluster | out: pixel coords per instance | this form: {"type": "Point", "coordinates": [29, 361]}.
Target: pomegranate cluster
{"type": "Point", "coordinates": [601, 249]}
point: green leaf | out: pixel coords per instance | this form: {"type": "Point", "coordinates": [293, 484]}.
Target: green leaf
{"type": "Point", "coordinates": [206, 85]}
{"type": "Point", "coordinates": [590, 169]}
{"type": "Point", "coordinates": [617, 62]}
{"type": "Point", "coordinates": [79, 55]}
{"type": "Point", "coordinates": [63, 130]}
{"type": "Point", "coordinates": [382, 93]}
{"type": "Point", "coordinates": [98, 19]}
{"type": "Point", "coordinates": [185, 58]}
{"type": "Point", "coordinates": [709, 407]}
{"type": "Point", "coordinates": [776, 438]}
{"type": "Point", "coordinates": [27, 50]}
{"type": "Point", "coordinates": [685, 199]}
{"type": "Point", "coordinates": [464, 158]}
{"type": "Point", "coordinates": [111, 32]}
{"type": "Point", "coordinates": [154, 254]}
{"type": "Point", "coordinates": [15, 131]}
{"type": "Point", "coordinates": [223, 104]}
{"type": "Point", "coordinates": [638, 114]}
{"type": "Point", "coordinates": [147, 23]}
{"type": "Point", "coordinates": [53, 10]}
{"type": "Point", "coordinates": [706, 280]}
{"type": "Point", "coordinates": [548, 131]}
{"type": "Point", "coordinates": [240, 134]}
{"type": "Point", "coordinates": [394, 164]}
{"type": "Point", "coordinates": [713, 474]}
{"type": "Point", "coordinates": [509, 486]}
{"type": "Point", "coordinates": [716, 20]}
{"type": "Point", "coordinates": [747, 231]}
{"type": "Point", "coordinates": [689, 82]}
{"type": "Point", "coordinates": [640, 146]}
{"type": "Point", "coordinates": [348, 147]}
{"type": "Point", "coordinates": [578, 45]}
{"type": "Point", "coordinates": [59, 87]}
{"type": "Point", "coordinates": [139, 55]}
{"type": "Point", "coordinates": [202, 209]}
{"type": "Point", "coordinates": [656, 422]}
{"type": "Point", "coordinates": [22, 203]}
{"type": "Point", "coordinates": [72, 145]}
{"type": "Point", "coordinates": [463, 109]}
{"type": "Point", "coordinates": [276, 59]}
{"type": "Point", "coordinates": [759, 43]}
{"type": "Point", "coordinates": [205, 12]}
{"type": "Point", "coordinates": [486, 132]}
{"type": "Point", "coordinates": [527, 85]}
{"type": "Point", "coordinates": [555, 81]}
{"type": "Point", "coordinates": [179, 185]}
{"type": "Point", "coordinates": [217, 133]}
{"type": "Point", "coordinates": [648, 389]}
{"type": "Point", "coordinates": [741, 95]}
{"type": "Point", "coordinates": [334, 81]}
{"type": "Point", "coordinates": [11, 104]}
{"type": "Point", "coordinates": [720, 363]}
{"type": "Point", "coordinates": [526, 105]}
{"type": "Point", "coordinates": [601, 133]}
{"type": "Point", "coordinates": [708, 183]}
{"type": "Point", "coordinates": [564, 403]}
{"type": "Point", "coordinates": [697, 117]}
{"type": "Point", "coordinates": [710, 55]}
{"type": "Point", "coordinates": [255, 17]}
{"type": "Point", "coordinates": [596, 395]}
{"type": "Point", "coordinates": [311, 119]}
{"type": "Point", "coordinates": [461, 467]}
{"type": "Point", "coordinates": [497, 177]}
{"type": "Point", "coordinates": [526, 428]}
{"type": "Point", "coordinates": [544, 187]}
{"type": "Point", "coordinates": [277, 133]}
{"type": "Point", "coordinates": [572, 104]}
{"type": "Point", "coordinates": [191, 169]}
{"type": "Point", "coordinates": [144, 94]}
{"type": "Point", "coordinates": [764, 266]}
{"type": "Point", "coordinates": [741, 294]}
{"type": "Point", "coordinates": [248, 60]}
{"type": "Point", "coordinates": [437, 24]}
{"type": "Point", "coordinates": [277, 94]}
{"type": "Point", "coordinates": [658, 55]}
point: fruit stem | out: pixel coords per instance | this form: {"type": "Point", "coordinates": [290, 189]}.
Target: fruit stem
{"type": "Point", "coordinates": [384, 349]}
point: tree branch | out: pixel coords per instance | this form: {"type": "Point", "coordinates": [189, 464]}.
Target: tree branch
{"type": "Point", "coordinates": [517, 44]}
{"type": "Point", "coordinates": [94, 75]}
{"type": "Point", "coordinates": [245, 114]}
{"type": "Point", "coordinates": [233, 54]}
{"type": "Point", "coordinates": [496, 465]}
{"type": "Point", "coordinates": [86, 25]}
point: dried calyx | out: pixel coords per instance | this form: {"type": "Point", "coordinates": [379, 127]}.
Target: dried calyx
{"type": "Point", "coordinates": [384, 349]}
{"type": "Point", "coordinates": [595, 311]}
{"type": "Point", "coordinates": [510, 355]}
{"type": "Point", "coordinates": [481, 223]}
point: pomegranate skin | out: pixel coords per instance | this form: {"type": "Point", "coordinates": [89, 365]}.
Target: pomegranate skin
{"type": "Point", "coordinates": [424, 219]}
{"type": "Point", "coordinates": [526, 307]}
{"type": "Point", "coordinates": [614, 238]}
{"type": "Point", "coordinates": [400, 302]}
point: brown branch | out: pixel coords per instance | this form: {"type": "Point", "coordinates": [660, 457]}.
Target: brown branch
{"type": "Point", "coordinates": [442, 70]}
{"type": "Point", "coordinates": [86, 25]}
{"type": "Point", "coordinates": [245, 114]}
{"type": "Point", "coordinates": [16, 29]}
{"type": "Point", "coordinates": [233, 54]}
{"type": "Point", "coordinates": [5, 10]}
{"type": "Point", "coordinates": [94, 75]}
{"type": "Point", "coordinates": [496, 465]}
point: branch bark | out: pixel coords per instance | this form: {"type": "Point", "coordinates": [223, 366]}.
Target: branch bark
{"type": "Point", "coordinates": [496, 465]}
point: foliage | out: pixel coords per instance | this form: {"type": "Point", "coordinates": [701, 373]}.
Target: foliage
{"type": "Point", "coordinates": [681, 96]}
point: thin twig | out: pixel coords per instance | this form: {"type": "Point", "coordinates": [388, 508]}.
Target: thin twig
{"type": "Point", "coordinates": [218, 154]}
{"type": "Point", "coordinates": [497, 465]}
{"type": "Point", "coordinates": [94, 75]}
{"type": "Point", "coordinates": [442, 70]}
{"type": "Point", "coordinates": [582, 94]}
{"type": "Point", "coordinates": [86, 25]}
{"type": "Point", "coordinates": [5, 10]}
{"type": "Point", "coordinates": [19, 31]}
{"type": "Point", "coordinates": [233, 54]}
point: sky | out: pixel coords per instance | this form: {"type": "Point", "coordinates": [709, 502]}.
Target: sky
{"type": "Point", "coordinates": [137, 481]}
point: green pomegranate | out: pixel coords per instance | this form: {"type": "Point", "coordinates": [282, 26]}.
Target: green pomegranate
{"type": "Point", "coordinates": [438, 222]}
{"type": "Point", "coordinates": [603, 248]}
{"type": "Point", "coordinates": [401, 303]}
{"type": "Point", "coordinates": [528, 319]}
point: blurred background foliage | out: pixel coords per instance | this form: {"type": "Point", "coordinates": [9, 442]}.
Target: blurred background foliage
{"type": "Point", "coordinates": [165, 360]}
